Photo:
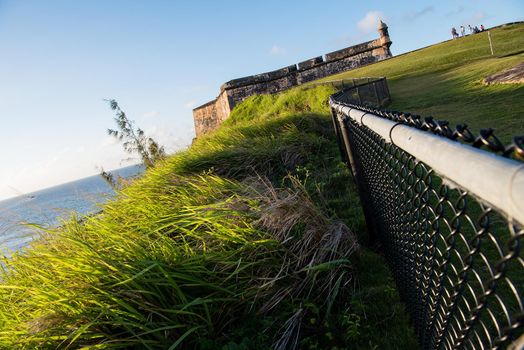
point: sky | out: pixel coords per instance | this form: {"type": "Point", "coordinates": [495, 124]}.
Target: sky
{"type": "Point", "coordinates": [160, 59]}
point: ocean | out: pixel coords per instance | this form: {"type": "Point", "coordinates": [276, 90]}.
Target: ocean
{"type": "Point", "coordinates": [47, 207]}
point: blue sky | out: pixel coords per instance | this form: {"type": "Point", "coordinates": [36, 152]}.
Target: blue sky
{"type": "Point", "coordinates": [160, 59]}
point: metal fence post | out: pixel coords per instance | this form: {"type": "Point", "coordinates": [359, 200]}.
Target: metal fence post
{"type": "Point", "coordinates": [376, 93]}
{"type": "Point", "coordinates": [338, 136]}
{"type": "Point", "coordinates": [354, 168]}
{"type": "Point", "coordinates": [386, 87]}
{"type": "Point", "coordinates": [359, 97]}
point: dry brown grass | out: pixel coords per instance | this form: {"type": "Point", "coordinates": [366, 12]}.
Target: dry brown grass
{"type": "Point", "coordinates": [316, 251]}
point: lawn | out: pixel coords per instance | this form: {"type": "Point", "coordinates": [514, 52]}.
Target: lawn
{"type": "Point", "coordinates": [445, 81]}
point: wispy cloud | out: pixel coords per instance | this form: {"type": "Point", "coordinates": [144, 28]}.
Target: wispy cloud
{"type": "Point", "coordinates": [108, 141]}
{"type": "Point", "coordinates": [479, 16]}
{"type": "Point", "coordinates": [370, 21]}
{"type": "Point", "coordinates": [411, 16]}
{"type": "Point", "coordinates": [190, 104]}
{"type": "Point", "coordinates": [163, 135]}
{"type": "Point", "coordinates": [456, 11]}
{"type": "Point", "coordinates": [368, 24]}
{"type": "Point", "coordinates": [194, 89]}
{"type": "Point", "coordinates": [476, 18]}
{"type": "Point", "coordinates": [150, 114]}
{"type": "Point", "coordinates": [276, 50]}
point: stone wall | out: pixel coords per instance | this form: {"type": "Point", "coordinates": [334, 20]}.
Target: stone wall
{"type": "Point", "coordinates": [208, 116]}
{"type": "Point", "coordinates": [265, 83]}
{"type": "Point", "coordinates": [205, 117]}
{"type": "Point", "coordinates": [341, 61]}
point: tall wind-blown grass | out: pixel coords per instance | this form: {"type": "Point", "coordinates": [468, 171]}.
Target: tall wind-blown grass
{"type": "Point", "coordinates": [210, 244]}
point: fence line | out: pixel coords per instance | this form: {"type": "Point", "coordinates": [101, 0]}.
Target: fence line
{"type": "Point", "coordinates": [368, 90]}
{"type": "Point", "coordinates": [450, 219]}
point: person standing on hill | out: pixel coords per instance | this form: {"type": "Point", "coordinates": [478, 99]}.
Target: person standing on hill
{"type": "Point", "coordinates": [481, 27]}
{"type": "Point", "coordinates": [454, 33]}
{"type": "Point", "coordinates": [470, 29]}
{"type": "Point", "coordinates": [462, 31]}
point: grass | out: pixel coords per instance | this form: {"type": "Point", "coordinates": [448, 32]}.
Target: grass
{"type": "Point", "coordinates": [247, 240]}
{"type": "Point", "coordinates": [445, 81]}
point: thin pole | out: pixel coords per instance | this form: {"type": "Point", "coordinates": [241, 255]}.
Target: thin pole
{"type": "Point", "coordinates": [376, 93]}
{"type": "Point", "coordinates": [490, 44]}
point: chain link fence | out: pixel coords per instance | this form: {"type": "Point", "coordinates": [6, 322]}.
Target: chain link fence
{"type": "Point", "coordinates": [368, 91]}
{"type": "Point", "coordinates": [449, 218]}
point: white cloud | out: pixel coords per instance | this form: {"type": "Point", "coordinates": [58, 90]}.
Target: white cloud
{"type": "Point", "coordinates": [170, 141]}
{"type": "Point", "coordinates": [476, 19]}
{"type": "Point", "coordinates": [370, 21]}
{"type": "Point", "coordinates": [276, 50]}
{"type": "Point", "coordinates": [190, 104]}
{"type": "Point", "coordinates": [108, 141]}
{"type": "Point", "coordinates": [416, 14]}
{"type": "Point", "coordinates": [150, 114]}
{"type": "Point", "coordinates": [456, 11]}
{"type": "Point", "coordinates": [479, 16]}
{"type": "Point", "coordinates": [195, 88]}
{"type": "Point", "coordinates": [161, 134]}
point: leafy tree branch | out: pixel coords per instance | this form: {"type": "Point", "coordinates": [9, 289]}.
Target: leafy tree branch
{"type": "Point", "coordinates": [134, 139]}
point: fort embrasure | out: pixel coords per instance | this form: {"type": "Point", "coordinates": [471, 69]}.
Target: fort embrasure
{"type": "Point", "coordinates": [208, 116]}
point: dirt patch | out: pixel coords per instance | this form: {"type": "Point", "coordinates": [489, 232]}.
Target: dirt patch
{"type": "Point", "coordinates": [513, 75]}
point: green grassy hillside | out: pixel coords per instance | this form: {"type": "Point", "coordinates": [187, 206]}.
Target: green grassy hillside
{"type": "Point", "coordinates": [249, 240]}
{"type": "Point", "coordinates": [445, 81]}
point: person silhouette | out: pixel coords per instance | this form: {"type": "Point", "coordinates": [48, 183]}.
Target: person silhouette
{"type": "Point", "coordinates": [454, 33]}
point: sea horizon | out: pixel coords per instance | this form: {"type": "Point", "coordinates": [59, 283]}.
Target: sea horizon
{"type": "Point", "coordinates": [46, 208]}
{"type": "Point", "coordinates": [117, 170]}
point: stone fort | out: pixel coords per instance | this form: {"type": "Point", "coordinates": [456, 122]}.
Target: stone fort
{"type": "Point", "coordinates": [208, 116]}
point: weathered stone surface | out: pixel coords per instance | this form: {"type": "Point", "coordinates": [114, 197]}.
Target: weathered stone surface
{"type": "Point", "coordinates": [259, 78]}
{"type": "Point", "coordinates": [238, 94]}
{"type": "Point", "coordinates": [350, 51]}
{"type": "Point", "coordinates": [205, 118]}
{"type": "Point", "coordinates": [208, 116]}
{"type": "Point", "coordinates": [310, 63]}
{"type": "Point", "coordinates": [513, 75]}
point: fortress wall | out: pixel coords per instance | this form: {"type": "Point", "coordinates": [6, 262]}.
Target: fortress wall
{"type": "Point", "coordinates": [239, 94]}
{"type": "Point", "coordinates": [205, 118]}
{"type": "Point", "coordinates": [350, 62]}
{"type": "Point", "coordinates": [312, 62]}
{"type": "Point", "coordinates": [341, 61]}
{"type": "Point", "coordinates": [223, 106]}
{"type": "Point", "coordinates": [259, 78]}
{"type": "Point", "coordinates": [351, 51]}
{"type": "Point", "coordinates": [210, 115]}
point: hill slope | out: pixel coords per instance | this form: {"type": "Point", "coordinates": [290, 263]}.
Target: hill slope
{"type": "Point", "coordinates": [445, 81]}
{"type": "Point", "coordinates": [248, 240]}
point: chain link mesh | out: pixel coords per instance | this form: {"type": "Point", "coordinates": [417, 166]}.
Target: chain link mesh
{"type": "Point", "coordinates": [457, 262]}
